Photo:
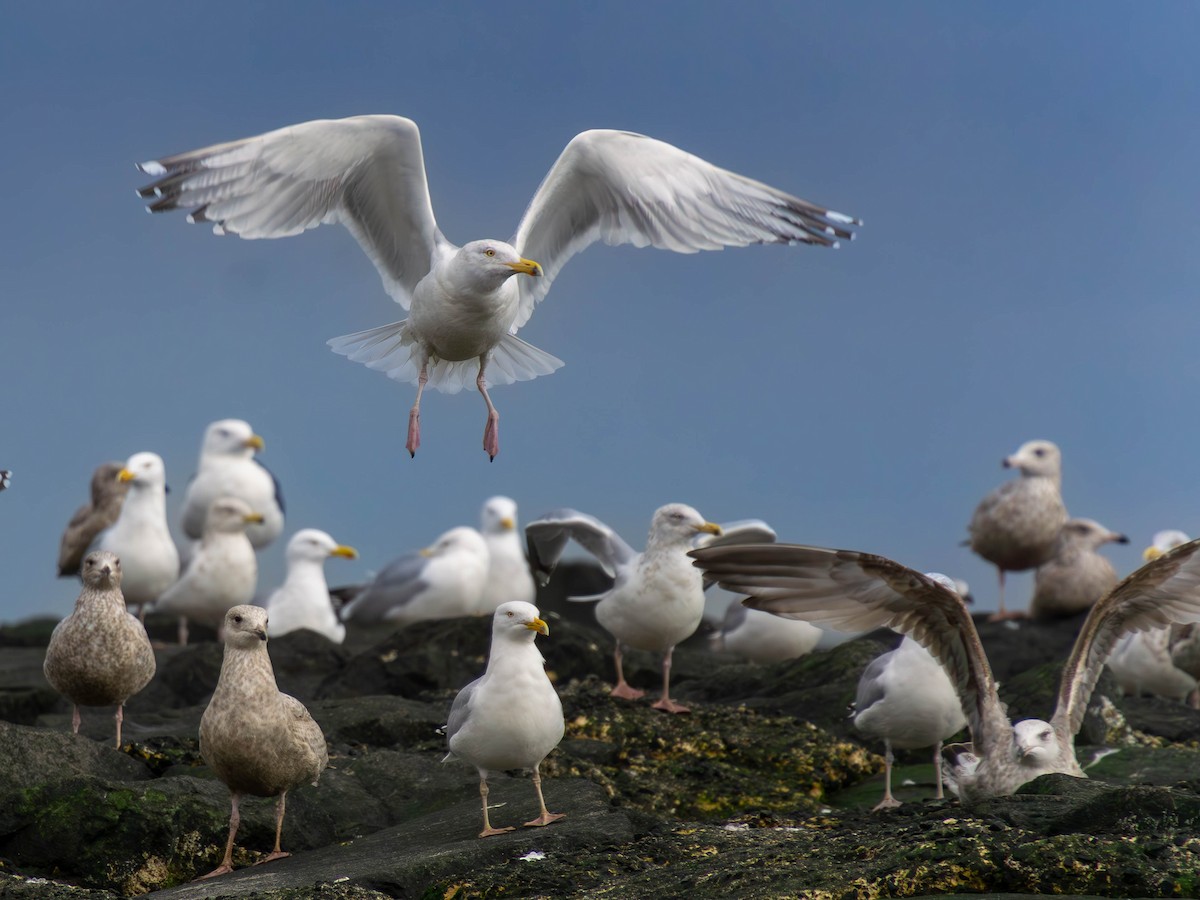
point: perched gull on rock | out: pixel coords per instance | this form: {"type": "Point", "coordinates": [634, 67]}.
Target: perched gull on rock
{"type": "Point", "coordinates": [228, 468]}
{"type": "Point", "coordinates": [223, 571]}
{"type": "Point", "coordinates": [108, 493]}
{"type": "Point", "coordinates": [140, 536]}
{"type": "Point", "coordinates": [508, 576]}
{"type": "Point", "coordinates": [761, 637]}
{"type": "Point", "coordinates": [442, 581]}
{"type": "Point", "coordinates": [302, 601]}
{"type": "Point", "coordinates": [1016, 526]}
{"type": "Point", "coordinates": [658, 598]}
{"type": "Point", "coordinates": [465, 306]}
{"type": "Point", "coordinates": [906, 699]}
{"type": "Point", "coordinates": [99, 654]}
{"type": "Point", "coordinates": [510, 717]}
{"type": "Point", "coordinates": [1077, 575]}
{"type": "Point", "coordinates": [256, 739]}
{"type": "Point", "coordinates": [857, 591]}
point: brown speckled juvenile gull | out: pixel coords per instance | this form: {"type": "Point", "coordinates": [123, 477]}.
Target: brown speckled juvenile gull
{"type": "Point", "coordinates": [1016, 526]}
{"type": "Point", "coordinates": [1077, 576]}
{"type": "Point", "coordinates": [510, 717]}
{"type": "Point", "coordinates": [108, 493]}
{"type": "Point", "coordinates": [858, 591]}
{"type": "Point", "coordinates": [256, 739]}
{"type": "Point", "coordinates": [99, 654]}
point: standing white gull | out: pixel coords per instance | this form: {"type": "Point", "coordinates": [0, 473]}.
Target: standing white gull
{"type": "Point", "coordinates": [1016, 526]}
{"type": "Point", "coordinates": [302, 601]}
{"type": "Point", "coordinates": [442, 581]}
{"type": "Point", "coordinates": [508, 576]}
{"type": "Point", "coordinates": [857, 591]}
{"type": "Point", "coordinates": [368, 173]}
{"type": "Point", "coordinates": [657, 599]}
{"type": "Point", "coordinates": [228, 468]}
{"type": "Point", "coordinates": [140, 536]}
{"type": "Point", "coordinates": [761, 637]}
{"type": "Point", "coordinates": [510, 717]}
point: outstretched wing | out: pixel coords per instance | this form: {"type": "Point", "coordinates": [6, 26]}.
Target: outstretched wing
{"type": "Point", "coordinates": [547, 538]}
{"type": "Point", "coordinates": [366, 172]}
{"type": "Point", "coordinates": [626, 188]}
{"type": "Point", "coordinates": [743, 531]}
{"type": "Point", "coordinates": [859, 591]}
{"type": "Point", "coordinates": [1164, 591]}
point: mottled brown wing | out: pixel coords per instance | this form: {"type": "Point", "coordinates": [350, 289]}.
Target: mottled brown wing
{"type": "Point", "coordinates": [1164, 591]}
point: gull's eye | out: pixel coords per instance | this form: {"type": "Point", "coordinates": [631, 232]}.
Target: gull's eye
{"type": "Point", "coordinates": [489, 252]}
{"type": "Point", "coordinates": [509, 614]}
{"type": "Point", "coordinates": [1045, 735]}
{"type": "Point", "coordinates": [237, 619]}
{"type": "Point", "coordinates": [91, 562]}
{"type": "Point", "coordinates": [222, 432]}
{"type": "Point", "coordinates": [1039, 452]}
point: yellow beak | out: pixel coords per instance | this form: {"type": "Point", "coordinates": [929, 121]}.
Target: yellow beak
{"type": "Point", "coordinates": [709, 528]}
{"type": "Point", "coordinates": [256, 442]}
{"type": "Point", "coordinates": [124, 475]}
{"type": "Point", "coordinates": [1151, 553]}
{"type": "Point", "coordinates": [526, 267]}
{"type": "Point", "coordinates": [253, 517]}
{"type": "Point", "coordinates": [428, 551]}
{"type": "Point", "coordinates": [508, 524]}
{"type": "Point", "coordinates": [344, 551]}
{"type": "Point", "coordinates": [539, 626]}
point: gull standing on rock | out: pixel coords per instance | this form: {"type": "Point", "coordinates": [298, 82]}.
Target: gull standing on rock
{"type": "Point", "coordinates": [508, 575]}
{"type": "Point", "coordinates": [1077, 575]}
{"type": "Point", "coordinates": [108, 493]}
{"type": "Point", "coordinates": [140, 536]}
{"type": "Point", "coordinates": [1016, 526]}
{"type": "Point", "coordinates": [99, 654]}
{"type": "Point", "coordinates": [228, 468]}
{"type": "Point", "coordinates": [761, 637]}
{"type": "Point", "coordinates": [443, 581]}
{"type": "Point", "coordinates": [906, 700]}
{"type": "Point", "coordinates": [510, 717]}
{"type": "Point", "coordinates": [858, 591]}
{"type": "Point", "coordinates": [302, 601]}
{"type": "Point", "coordinates": [657, 599]}
{"type": "Point", "coordinates": [256, 739]}
{"type": "Point", "coordinates": [222, 573]}
{"type": "Point", "coordinates": [465, 306]}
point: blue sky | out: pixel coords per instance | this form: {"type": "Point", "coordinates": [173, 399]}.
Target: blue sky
{"type": "Point", "coordinates": [1027, 173]}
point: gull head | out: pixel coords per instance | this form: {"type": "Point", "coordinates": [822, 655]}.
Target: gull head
{"type": "Point", "coordinates": [1034, 743]}
{"type": "Point", "coordinates": [1035, 458]}
{"type": "Point", "coordinates": [101, 570]}
{"type": "Point", "coordinates": [246, 627]}
{"type": "Point", "coordinates": [498, 516]}
{"type": "Point", "coordinates": [1164, 542]}
{"type": "Point", "coordinates": [1089, 533]}
{"type": "Point", "coordinates": [678, 523]}
{"type": "Point", "coordinates": [457, 540]}
{"type": "Point", "coordinates": [484, 265]}
{"type": "Point", "coordinates": [230, 515]}
{"type": "Point", "coordinates": [314, 545]}
{"type": "Point", "coordinates": [231, 437]}
{"type": "Point", "coordinates": [144, 470]}
{"type": "Point", "coordinates": [517, 620]}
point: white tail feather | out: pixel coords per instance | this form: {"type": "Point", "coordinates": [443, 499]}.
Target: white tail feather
{"type": "Point", "coordinates": [392, 349]}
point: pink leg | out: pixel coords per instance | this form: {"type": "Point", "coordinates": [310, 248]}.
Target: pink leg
{"type": "Point", "coordinates": [491, 431]}
{"type": "Point", "coordinates": [888, 801]}
{"type": "Point", "coordinates": [227, 863]}
{"type": "Point", "coordinates": [1002, 614]}
{"type": "Point", "coordinates": [120, 717]}
{"type": "Point", "coordinates": [183, 631]}
{"type": "Point", "coordinates": [414, 414]}
{"type": "Point", "coordinates": [75, 719]}
{"type": "Point", "coordinates": [937, 771]}
{"type": "Point", "coordinates": [622, 688]}
{"type": "Point", "coordinates": [488, 830]}
{"type": "Point", "coordinates": [280, 806]}
{"type": "Point", "coordinates": [546, 817]}
{"type": "Point", "coordinates": [665, 703]}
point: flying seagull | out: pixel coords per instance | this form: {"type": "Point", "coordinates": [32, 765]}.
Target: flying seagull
{"type": "Point", "coordinates": [465, 305]}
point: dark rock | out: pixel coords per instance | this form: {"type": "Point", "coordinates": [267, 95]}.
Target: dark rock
{"type": "Point", "coordinates": [29, 633]}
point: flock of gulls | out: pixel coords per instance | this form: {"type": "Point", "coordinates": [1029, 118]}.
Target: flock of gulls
{"type": "Point", "coordinates": [465, 305]}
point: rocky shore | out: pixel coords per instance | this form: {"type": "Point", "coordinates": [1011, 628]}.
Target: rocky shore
{"type": "Point", "coordinates": [764, 790]}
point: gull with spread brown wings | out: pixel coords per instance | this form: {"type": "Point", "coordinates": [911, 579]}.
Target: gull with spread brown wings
{"type": "Point", "coordinates": [856, 591]}
{"type": "Point", "coordinates": [465, 306]}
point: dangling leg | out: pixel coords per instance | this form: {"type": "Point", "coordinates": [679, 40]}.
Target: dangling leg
{"type": "Point", "coordinates": [1001, 613]}
{"type": "Point", "coordinates": [491, 431]}
{"type": "Point", "coordinates": [622, 688]}
{"type": "Point", "coordinates": [665, 703]}
{"type": "Point", "coordinates": [546, 817]}
{"type": "Point", "coordinates": [75, 719]}
{"type": "Point", "coordinates": [488, 830]}
{"type": "Point", "coordinates": [227, 863]}
{"type": "Point", "coordinates": [414, 414]}
{"type": "Point", "coordinates": [888, 801]}
{"type": "Point", "coordinates": [937, 771]}
{"type": "Point", "coordinates": [183, 631]}
{"type": "Point", "coordinates": [275, 854]}
{"type": "Point", "coordinates": [120, 717]}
